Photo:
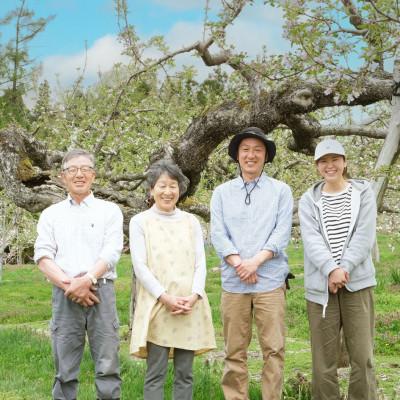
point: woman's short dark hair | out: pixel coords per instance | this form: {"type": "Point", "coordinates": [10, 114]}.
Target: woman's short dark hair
{"type": "Point", "coordinates": [172, 170]}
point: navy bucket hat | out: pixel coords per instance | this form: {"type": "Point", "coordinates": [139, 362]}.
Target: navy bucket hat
{"type": "Point", "coordinates": [251, 132]}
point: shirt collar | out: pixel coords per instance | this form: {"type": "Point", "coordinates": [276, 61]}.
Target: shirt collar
{"type": "Point", "coordinates": [87, 201]}
{"type": "Point", "coordinates": [239, 183]}
{"type": "Point", "coordinates": [160, 212]}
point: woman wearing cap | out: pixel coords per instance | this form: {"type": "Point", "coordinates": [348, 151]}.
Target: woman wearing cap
{"type": "Point", "coordinates": [338, 221]}
{"type": "Point", "coordinates": [172, 316]}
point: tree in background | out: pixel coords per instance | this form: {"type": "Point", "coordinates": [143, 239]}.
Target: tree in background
{"type": "Point", "coordinates": [16, 67]}
{"type": "Point", "coordinates": [42, 106]}
{"type": "Point", "coordinates": [8, 227]}
{"type": "Point", "coordinates": [341, 59]}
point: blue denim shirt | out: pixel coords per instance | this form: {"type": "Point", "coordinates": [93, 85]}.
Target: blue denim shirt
{"type": "Point", "coordinates": [264, 224]}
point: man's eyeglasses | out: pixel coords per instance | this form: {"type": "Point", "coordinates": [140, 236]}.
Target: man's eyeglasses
{"type": "Point", "coordinates": [72, 171]}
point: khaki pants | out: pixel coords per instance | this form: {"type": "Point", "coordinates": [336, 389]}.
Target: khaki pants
{"type": "Point", "coordinates": [355, 312]}
{"type": "Point", "coordinates": [268, 311]}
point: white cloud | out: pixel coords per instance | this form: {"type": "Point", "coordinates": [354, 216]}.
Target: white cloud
{"type": "Point", "coordinates": [256, 25]}
{"type": "Point", "coordinates": [105, 52]}
{"type": "Point", "coordinates": [184, 33]}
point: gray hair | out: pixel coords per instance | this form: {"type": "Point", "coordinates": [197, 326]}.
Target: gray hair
{"type": "Point", "coordinates": [69, 155]}
{"type": "Point", "coordinates": [172, 170]}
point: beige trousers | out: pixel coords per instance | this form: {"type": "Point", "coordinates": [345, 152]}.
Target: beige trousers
{"type": "Point", "coordinates": [268, 311]}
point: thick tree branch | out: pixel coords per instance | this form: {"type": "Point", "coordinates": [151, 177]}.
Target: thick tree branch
{"type": "Point", "coordinates": [389, 210]}
{"type": "Point", "coordinates": [290, 165]}
{"type": "Point", "coordinates": [353, 130]}
{"type": "Point", "coordinates": [199, 209]}
{"type": "Point", "coordinates": [121, 177]}
{"type": "Point", "coordinates": [306, 130]}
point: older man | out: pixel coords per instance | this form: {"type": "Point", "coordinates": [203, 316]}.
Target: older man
{"type": "Point", "coordinates": [251, 219]}
{"type": "Point", "coordinates": [78, 246]}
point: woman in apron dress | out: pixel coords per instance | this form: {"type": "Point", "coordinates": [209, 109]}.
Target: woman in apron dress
{"type": "Point", "coordinates": [172, 316]}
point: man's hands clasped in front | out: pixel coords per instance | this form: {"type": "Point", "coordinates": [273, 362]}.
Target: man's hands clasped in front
{"type": "Point", "coordinates": [80, 290]}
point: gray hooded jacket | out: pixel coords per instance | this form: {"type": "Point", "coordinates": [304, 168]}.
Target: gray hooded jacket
{"type": "Point", "coordinates": [356, 258]}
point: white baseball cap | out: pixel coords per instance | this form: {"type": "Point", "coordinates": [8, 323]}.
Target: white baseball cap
{"type": "Point", "coordinates": [328, 146]}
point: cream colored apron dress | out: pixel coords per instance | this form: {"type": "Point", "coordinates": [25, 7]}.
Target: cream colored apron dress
{"type": "Point", "coordinates": [170, 247]}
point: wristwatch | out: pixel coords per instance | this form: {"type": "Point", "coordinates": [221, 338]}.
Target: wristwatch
{"type": "Point", "coordinates": [92, 278]}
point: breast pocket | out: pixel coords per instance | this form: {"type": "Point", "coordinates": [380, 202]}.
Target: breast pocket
{"type": "Point", "coordinates": [93, 233]}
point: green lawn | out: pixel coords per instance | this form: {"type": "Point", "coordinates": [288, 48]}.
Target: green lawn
{"type": "Point", "coordinates": [26, 368]}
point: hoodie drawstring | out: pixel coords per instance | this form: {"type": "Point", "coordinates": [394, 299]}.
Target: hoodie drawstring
{"type": "Point", "coordinates": [324, 309]}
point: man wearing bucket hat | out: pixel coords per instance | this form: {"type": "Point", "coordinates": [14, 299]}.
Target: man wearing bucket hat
{"type": "Point", "coordinates": [251, 218]}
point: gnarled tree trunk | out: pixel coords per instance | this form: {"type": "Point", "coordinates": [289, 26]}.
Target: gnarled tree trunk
{"type": "Point", "coordinates": [390, 149]}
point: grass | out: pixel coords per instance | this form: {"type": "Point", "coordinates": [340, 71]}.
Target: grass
{"type": "Point", "coordinates": [395, 276]}
{"type": "Point", "coordinates": [26, 365]}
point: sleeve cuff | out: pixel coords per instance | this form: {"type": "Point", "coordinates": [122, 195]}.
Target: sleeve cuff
{"type": "Point", "coordinates": [272, 249]}
{"type": "Point", "coordinates": [328, 267]}
{"type": "Point", "coordinates": [107, 258]}
{"type": "Point", "coordinates": [198, 291]}
{"type": "Point", "coordinates": [158, 292]}
{"type": "Point", "coordinates": [228, 252]}
{"type": "Point", "coordinates": [110, 265]}
{"type": "Point", "coordinates": [41, 255]}
{"type": "Point", "coordinates": [347, 265]}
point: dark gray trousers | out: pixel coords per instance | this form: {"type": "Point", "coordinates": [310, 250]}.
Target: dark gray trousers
{"type": "Point", "coordinates": [69, 326]}
{"type": "Point", "coordinates": [157, 366]}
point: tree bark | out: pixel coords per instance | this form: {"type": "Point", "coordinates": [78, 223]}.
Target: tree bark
{"type": "Point", "coordinates": [390, 149]}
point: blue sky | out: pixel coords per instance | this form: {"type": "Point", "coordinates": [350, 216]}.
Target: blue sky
{"type": "Point", "coordinates": [78, 21]}
{"type": "Point", "coordinates": [61, 47]}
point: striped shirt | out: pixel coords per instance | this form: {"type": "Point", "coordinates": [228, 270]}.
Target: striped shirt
{"type": "Point", "coordinates": [336, 216]}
